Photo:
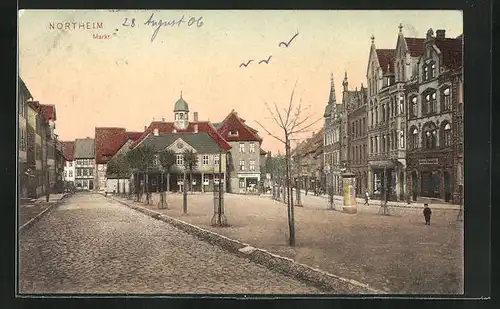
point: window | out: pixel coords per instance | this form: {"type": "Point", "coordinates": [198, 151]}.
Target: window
{"type": "Point", "coordinates": [216, 178]}
{"type": "Point", "coordinates": [70, 163]}
{"type": "Point", "coordinates": [447, 135]}
{"type": "Point", "coordinates": [414, 107]}
{"type": "Point", "coordinates": [242, 165]}
{"type": "Point", "coordinates": [426, 73]}
{"type": "Point", "coordinates": [242, 147]}
{"type": "Point", "coordinates": [371, 145]}
{"type": "Point", "coordinates": [383, 143]}
{"type": "Point", "coordinates": [251, 147]}
{"type": "Point", "coordinates": [179, 159]}
{"type": "Point", "coordinates": [205, 159]}
{"type": "Point", "coordinates": [376, 114]}
{"type": "Point", "coordinates": [216, 159]}
{"type": "Point", "coordinates": [65, 173]}
{"type": "Point", "coordinates": [383, 112]}
{"type": "Point", "coordinates": [70, 173]}
{"type": "Point", "coordinates": [414, 139]}
{"type": "Point", "coordinates": [446, 99]}
{"type": "Point", "coordinates": [433, 103]}
{"type": "Point", "coordinates": [180, 179]}
{"type": "Point", "coordinates": [242, 183]}
{"type": "Point", "coordinates": [251, 167]}
{"type": "Point", "coordinates": [429, 136]}
{"type": "Point", "coordinates": [401, 139]}
{"type": "Point", "coordinates": [433, 70]}
{"type": "Point", "coordinates": [427, 104]}
{"type": "Point", "coordinates": [91, 172]}
{"type": "Point", "coordinates": [78, 172]}
{"type": "Point", "coordinates": [78, 183]}
{"type": "Point", "coordinates": [233, 133]}
{"type": "Point", "coordinates": [155, 132]}
{"type": "Point", "coordinates": [205, 179]}
{"type": "Point", "coordinates": [85, 172]}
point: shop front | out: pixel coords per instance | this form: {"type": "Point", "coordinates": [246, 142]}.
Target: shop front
{"type": "Point", "coordinates": [430, 178]}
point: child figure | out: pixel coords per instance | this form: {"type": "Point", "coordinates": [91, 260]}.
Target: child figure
{"type": "Point", "coordinates": [427, 214]}
{"type": "Point", "coordinates": [367, 197]}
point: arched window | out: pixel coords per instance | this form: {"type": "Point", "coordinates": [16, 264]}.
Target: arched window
{"type": "Point", "coordinates": [447, 135]}
{"type": "Point", "coordinates": [414, 107]}
{"type": "Point", "coordinates": [383, 113]}
{"type": "Point", "coordinates": [401, 104]}
{"type": "Point", "coordinates": [433, 105]}
{"type": "Point", "coordinates": [376, 114]}
{"type": "Point", "coordinates": [401, 139]}
{"type": "Point", "coordinates": [414, 138]}
{"type": "Point", "coordinates": [429, 136]}
{"type": "Point", "coordinates": [426, 104]}
{"type": "Point", "coordinates": [426, 73]}
{"type": "Point", "coordinates": [433, 70]}
{"type": "Point", "coordinates": [446, 99]}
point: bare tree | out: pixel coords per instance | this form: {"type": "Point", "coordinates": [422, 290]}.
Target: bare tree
{"type": "Point", "coordinates": [291, 121]}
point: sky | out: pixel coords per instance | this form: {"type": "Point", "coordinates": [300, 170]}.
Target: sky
{"type": "Point", "coordinates": [109, 73]}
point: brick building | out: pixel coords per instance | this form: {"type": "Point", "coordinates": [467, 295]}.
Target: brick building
{"type": "Point", "coordinates": [354, 102]}
{"type": "Point", "coordinates": [435, 120]}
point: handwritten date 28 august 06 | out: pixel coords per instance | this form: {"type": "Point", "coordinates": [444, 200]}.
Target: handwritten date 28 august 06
{"type": "Point", "coordinates": [159, 23]}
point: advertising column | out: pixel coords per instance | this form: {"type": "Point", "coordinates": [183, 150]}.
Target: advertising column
{"type": "Point", "coordinates": [349, 184]}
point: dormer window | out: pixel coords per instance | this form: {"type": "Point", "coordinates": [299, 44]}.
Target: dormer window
{"type": "Point", "coordinates": [155, 132]}
{"type": "Point", "coordinates": [233, 133]}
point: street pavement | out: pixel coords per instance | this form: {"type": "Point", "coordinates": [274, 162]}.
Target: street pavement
{"type": "Point", "coordinates": [91, 244]}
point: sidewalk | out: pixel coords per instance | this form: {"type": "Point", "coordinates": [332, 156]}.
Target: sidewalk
{"type": "Point", "coordinates": [360, 200]}
{"type": "Point", "coordinates": [396, 253]}
{"type": "Point", "coordinates": [30, 209]}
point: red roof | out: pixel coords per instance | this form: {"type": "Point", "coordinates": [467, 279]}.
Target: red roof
{"type": "Point", "coordinates": [451, 51]}
{"type": "Point", "coordinates": [234, 123]}
{"type": "Point", "coordinates": [415, 46]}
{"type": "Point", "coordinates": [168, 127]}
{"type": "Point", "coordinates": [68, 149]}
{"type": "Point", "coordinates": [107, 142]}
{"type": "Point", "coordinates": [48, 112]}
{"type": "Point", "coordinates": [134, 135]}
{"type": "Point", "coordinates": [386, 60]}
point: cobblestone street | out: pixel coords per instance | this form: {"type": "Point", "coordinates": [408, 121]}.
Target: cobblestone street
{"type": "Point", "coordinates": [91, 244]}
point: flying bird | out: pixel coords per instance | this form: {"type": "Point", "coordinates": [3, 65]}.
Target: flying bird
{"type": "Point", "coordinates": [266, 61]}
{"type": "Point", "coordinates": [245, 64]}
{"type": "Point", "coordinates": [286, 44]}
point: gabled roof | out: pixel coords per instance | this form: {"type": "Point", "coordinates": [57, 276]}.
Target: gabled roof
{"type": "Point", "coordinates": [233, 122]}
{"type": "Point", "coordinates": [263, 152]}
{"type": "Point", "coordinates": [451, 51]}
{"type": "Point", "coordinates": [68, 149]}
{"type": "Point", "coordinates": [168, 127]}
{"type": "Point", "coordinates": [84, 148]}
{"type": "Point", "coordinates": [386, 59]}
{"type": "Point", "coordinates": [202, 142]}
{"type": "Point", "coordinates": [311, 145]}
{"type": "Point", "coordinates": [25, 89]}
{"type": "Point", "coordinates": [415, 46]}
{"type": "Point", "coordinates": [108, 140]}
{"type": "Point", "coordinates": [134, 135]}
{"type": "Point", "coordinates": [48, 111]}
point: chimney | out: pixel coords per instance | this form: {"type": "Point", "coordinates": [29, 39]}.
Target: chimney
{"type": "Point", "coordinates": [163, 119]}
{"type": "Point", "coordinates": [196, 128]}
{"type": "Point", "coordinates": [145, 128]}
{"type": "Point", "coordinates": [440, 34]}
{"type": "Point", "coordinates": [195, 116]}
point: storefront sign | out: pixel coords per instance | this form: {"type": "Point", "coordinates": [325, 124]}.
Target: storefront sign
{"type": "Point", "coordinates": [433, 161]}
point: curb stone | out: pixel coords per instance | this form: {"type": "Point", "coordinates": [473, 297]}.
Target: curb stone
{"type": "Point", "coordinates": [26, 226]}
{"type": "Point", "coordinates": [316, 277]}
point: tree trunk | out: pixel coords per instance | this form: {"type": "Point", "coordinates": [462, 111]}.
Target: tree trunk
{"type": "Point", "coordinates": [146, 183]}
{"type": "Point", "coordinates": [289, 198]}
{"type": "Point", "coordinates": [184, 195]}
{"type": "Point", "coordinates": [168, 181]}
{"type": "Point", "coordinates": [118, 187]}
{"type": "Point", "coordinates": [191, 182]}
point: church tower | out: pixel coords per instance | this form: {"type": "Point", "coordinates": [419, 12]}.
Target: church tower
{"type": "Point", "coordinates": [181, 114]}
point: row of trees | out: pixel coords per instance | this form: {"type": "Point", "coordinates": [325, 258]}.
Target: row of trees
{"type": "Point", "coordinates": [138, 162]}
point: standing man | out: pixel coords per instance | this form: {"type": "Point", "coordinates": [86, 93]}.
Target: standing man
{"type": "Point", "coordinates": [367, 198]}
{"type": "Point", "coordinates": [427, 214]}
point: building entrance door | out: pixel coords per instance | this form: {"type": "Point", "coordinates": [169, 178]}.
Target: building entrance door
{"type": "Point", "coordinates": [91, 185]}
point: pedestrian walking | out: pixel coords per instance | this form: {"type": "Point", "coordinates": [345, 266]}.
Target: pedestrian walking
{"type": "Point", "coordinates": [427, 214]}
{"type": "Point", "coordinates": [367, 198]}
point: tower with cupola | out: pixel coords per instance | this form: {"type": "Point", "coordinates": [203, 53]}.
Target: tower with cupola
{"type": "Point", "coordinates": [181, 114]}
